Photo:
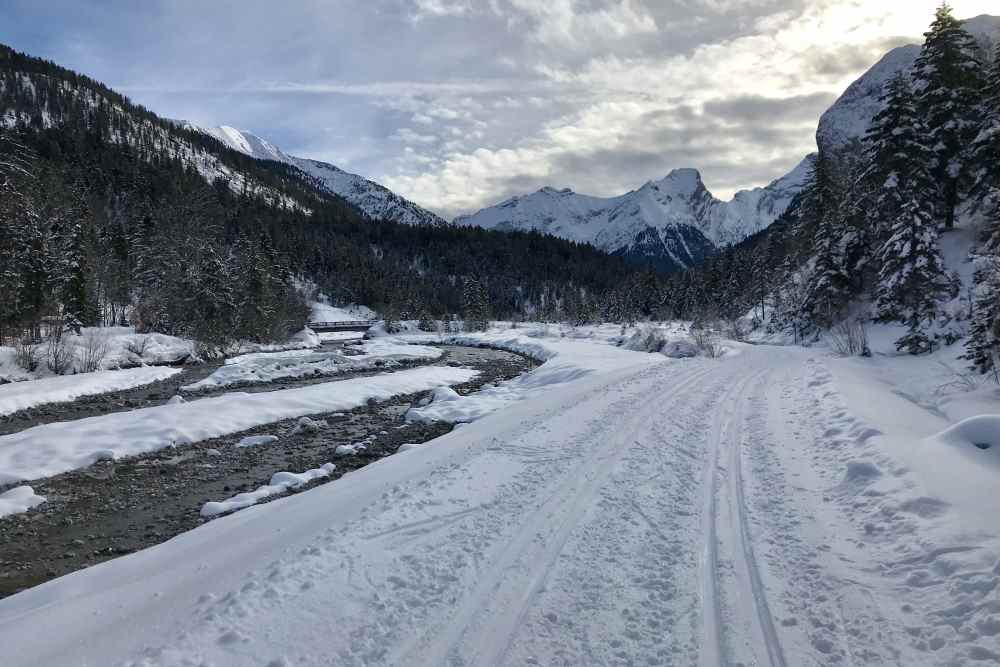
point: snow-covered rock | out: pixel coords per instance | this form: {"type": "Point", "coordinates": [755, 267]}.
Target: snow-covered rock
{"type": "Point", "coordinates": [280, 483]}
{"type": "Point", "coordinates": [372, 199]}
{"type": "Point", "coordinates": [256, 440]}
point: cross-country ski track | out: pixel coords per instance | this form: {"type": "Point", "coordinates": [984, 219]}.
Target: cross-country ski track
{"type": "Point", "coordinates": [696, 512]}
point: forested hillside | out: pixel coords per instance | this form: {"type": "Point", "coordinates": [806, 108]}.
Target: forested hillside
{"type": "Point", "coordinates": [863, 240]}
{"type": "Point", "coordinates": [112, 215]}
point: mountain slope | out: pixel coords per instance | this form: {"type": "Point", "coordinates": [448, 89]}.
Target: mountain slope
{"type": "Point", "coordinates": [676, 218]}
{"type": "Point", "coordinates": [374, 200]}
{"type": "Point", "coordinates": [849, 117]}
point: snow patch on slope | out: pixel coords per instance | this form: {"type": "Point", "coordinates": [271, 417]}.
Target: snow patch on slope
{"type": "Point", "coordinates": [374, 200]}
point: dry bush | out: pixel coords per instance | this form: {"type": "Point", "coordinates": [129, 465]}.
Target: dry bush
{"type": "Point", "coordinates": [26, 354]}
{"type": "Point", "coordinates": [138, 346]}
{"type": "Point", "coordinates": [58, 355]}
{"type": "Point", "coordinates": [849, 338]}
{"type": "Point", "coordinates": [707, 342]}
{"type": "Point", "coordinates": [94, 349]}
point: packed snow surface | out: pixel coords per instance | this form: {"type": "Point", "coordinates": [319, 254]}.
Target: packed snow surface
{"type": "Point", "coordinates": [776, 507]}
{"type": "Point", "coordinates": [19, 499]}
{"type": "Point", "coordinates": [60, 388]}
{"type": "Point", "coordinates": [54, 448]}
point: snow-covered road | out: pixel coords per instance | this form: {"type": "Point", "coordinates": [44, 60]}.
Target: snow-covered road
{"type": "Point", "coordinates": [702, 512]}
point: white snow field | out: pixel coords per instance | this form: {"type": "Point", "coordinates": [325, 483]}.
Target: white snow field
{"type": "Point", "coordinates": [777, 507]}
{"type": "Point", "coordinates": [50, 449]}
{"type": "Point", "coordinates": [60, 388]}
{"type": "Point", "coordinates": [271, 366]}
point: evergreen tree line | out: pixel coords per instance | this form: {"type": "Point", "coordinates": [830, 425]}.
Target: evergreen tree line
{"type": "Point", "coordinates": [868, 225]}
{"type": "Point", "coordinates": [93, 232]}
{"type": "Point", "coordinates": [109, 219]}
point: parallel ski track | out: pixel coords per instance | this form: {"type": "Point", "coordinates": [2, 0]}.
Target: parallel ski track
{"type": "Point", "coordinates": [565, 507]}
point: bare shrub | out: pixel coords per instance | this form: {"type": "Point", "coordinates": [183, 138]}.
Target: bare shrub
{"type": "Point", "coordinates": [961, 380]}
{"type": "Point", "coordinates": [58, 355]}
{"type": "Point", "coordinates": [138, 346]}
{"type": "Point", "coordinates": [849, 338]}
{"type": "Point", "coordinates": [738, 329]}
{"type": "Point", "coordinates": [93, 350]}
{"type": "Point", "coordinates": [707, 342]}
{"type": "Point", "coordinates": [26, 354]}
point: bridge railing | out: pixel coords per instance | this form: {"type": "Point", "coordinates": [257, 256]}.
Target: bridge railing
{"type": "Point", "coordinates": [347, 324]}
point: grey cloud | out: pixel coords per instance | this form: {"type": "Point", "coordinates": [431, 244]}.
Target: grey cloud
{"type": "Point", "coordinates": [357, 82]}
{"type": "Point", "coordinates": [755, 108]}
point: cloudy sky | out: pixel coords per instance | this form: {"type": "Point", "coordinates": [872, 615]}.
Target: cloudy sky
{"type": "Point", "coordinates": [458, 104]}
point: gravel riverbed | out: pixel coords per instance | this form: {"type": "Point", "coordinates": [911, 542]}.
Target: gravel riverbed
{"type": "Point", "coordinates": [117, 507]}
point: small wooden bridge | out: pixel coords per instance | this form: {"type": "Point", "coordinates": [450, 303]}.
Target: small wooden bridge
{"type": "Point", "coordinates": [351, 325]}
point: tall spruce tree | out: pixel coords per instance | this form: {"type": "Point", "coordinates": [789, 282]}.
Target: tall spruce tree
{"type": "Point", "coordinates": [912, 280]}
{"type": "Point", "coordinates": [948, 82]}
{"type": "Point", "coordinates": [986, 148]}
{"type": "Point", "coordinates": [899, 163]}
{"type": "Point", "coordinates": [826, 234]}
{"type": "Point", "coordinates": [983, 346]}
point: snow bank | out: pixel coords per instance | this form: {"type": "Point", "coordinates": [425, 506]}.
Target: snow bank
{"type": "Point", "coordinates": [61, 388]}
{"type": "Point", "coordinates": [977, 436]}
{"type": "Point", "coordinates": [565, 360]}
{"type": "Point", "coordinates": [280, 483]}
{"type": "Point", "coordinates": [124, 348]}
{"type": "Point", "coordinates": [19, 499]}
{"type": "Point", "coordinates": [324, 312]}
{"type": "Point", "coordinates": [268, 367]}
{"type": "Point", "coordinates": [54, 448]}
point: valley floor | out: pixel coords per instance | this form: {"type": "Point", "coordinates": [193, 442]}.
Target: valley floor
{"type": "Point", "coordinates": [756, 509]}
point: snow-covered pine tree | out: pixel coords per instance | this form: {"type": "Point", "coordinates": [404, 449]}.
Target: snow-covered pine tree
{"type": "Point", "coordinates": [983, 346]}
{"type": "Point", "coordinates": [912, 280]}
{"type": "Point", "coordinates": [948, 80]}
{"type": "Point", "coordinates": [823, 229]}
{"type": "Point", "coordinates": [898, 162]}
{"type": "Point", "coordinates": [986, 148]}
{"type": "Point", "coordinates": [476, 305]}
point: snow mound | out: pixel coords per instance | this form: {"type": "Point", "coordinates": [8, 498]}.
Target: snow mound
{"type": "Point", "coordinates": [19, 499]}
{"type": "Point", "coordinates": [280, 483]}
{"type": "Point", "coordinates": [347, 450]}
{"type": "Point", "coordinates": [979, 436]}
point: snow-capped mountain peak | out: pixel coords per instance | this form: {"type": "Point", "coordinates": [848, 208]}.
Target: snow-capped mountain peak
{"type": "Point", "coordinates": [676, 214]}
{"type": "Point", "coordinates": [374, 200]}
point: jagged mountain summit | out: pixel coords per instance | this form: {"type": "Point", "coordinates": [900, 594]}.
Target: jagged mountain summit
{"type": "Point", "coordinates": [372, 199]}
{"type": "Point", "coordinates": [676, 219]}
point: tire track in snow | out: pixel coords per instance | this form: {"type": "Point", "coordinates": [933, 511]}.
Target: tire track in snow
{"type": "Point", "coordinates": [537, 545]}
